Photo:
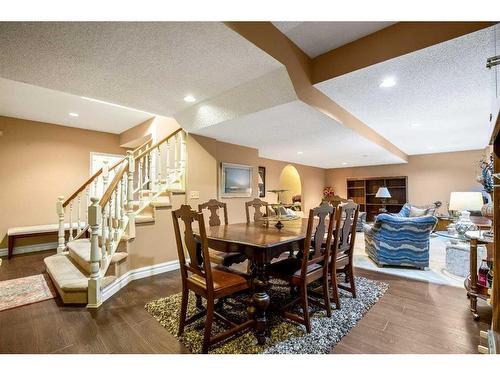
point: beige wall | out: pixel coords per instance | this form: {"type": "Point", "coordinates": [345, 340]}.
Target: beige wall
{"type": "Point", "coordinates": [39, 162]}
{"type": "Point", "coordinates": [205, 156]}
{"type": "Point", "coordinates": [430, 177]}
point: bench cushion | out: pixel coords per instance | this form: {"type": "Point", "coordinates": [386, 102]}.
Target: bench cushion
{"type": "Point", "coordinates": [39, 229]}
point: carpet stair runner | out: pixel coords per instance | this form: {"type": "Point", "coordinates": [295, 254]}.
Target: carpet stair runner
{"type": "Point", "coordinates": [70, 270]}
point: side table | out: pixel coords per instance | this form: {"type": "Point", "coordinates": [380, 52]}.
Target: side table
{"type": "Point", "coordinates": [473, 289]}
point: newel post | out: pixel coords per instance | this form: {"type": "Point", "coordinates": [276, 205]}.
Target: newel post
{"type": "Point", "coordinates": [94, 299]}
{"type": "Point", "coordinates": [60, 214]}
{"type": "Point", "coordinates": [130, 194]}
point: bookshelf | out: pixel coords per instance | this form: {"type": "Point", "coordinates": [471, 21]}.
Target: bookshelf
{"type": "Point", "coordinates": [363, 190]}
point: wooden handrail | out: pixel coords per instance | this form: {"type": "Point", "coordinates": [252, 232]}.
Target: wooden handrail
{"type": "Point", "coordinates": [89, 181]}
{"type": "Point", "coordinates": [112, 186]}
{"type": "Point", "coordinates": [157, 144]}
{"type": "Point", "coordinates": [144, 144]}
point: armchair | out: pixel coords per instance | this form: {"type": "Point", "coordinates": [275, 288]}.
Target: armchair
{"type": "Point", "coordinates": [398, 240]}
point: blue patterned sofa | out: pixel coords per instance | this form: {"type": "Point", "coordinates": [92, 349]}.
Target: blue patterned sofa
{"type": "Point", "coordinates": [400, 240]}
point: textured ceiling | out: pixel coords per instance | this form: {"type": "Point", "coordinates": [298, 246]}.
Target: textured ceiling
{"type": "Point", "coordinates": [316, 38]}
{"type": "Point", "coordinates": [149, 66]}
{"type": "Point", "coordinates": [35, 103]}
{"type": "Point", "coordinates": [444, 89]}
{"type": "Point", "coordinates": [282, 131]}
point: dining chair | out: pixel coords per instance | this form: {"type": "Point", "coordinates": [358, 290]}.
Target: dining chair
{"type": "Point", "coordinates": [343, 249]}
{"type": "Point", "coordinates": [257, 204]}
{"type": "Point", "coordinates": [205, 280]}
{"type": "Point", "coordinates": [219, 257]}
{"type": "Point", "coordinates": [310, 265]}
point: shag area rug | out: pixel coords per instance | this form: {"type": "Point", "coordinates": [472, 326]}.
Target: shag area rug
{"type": "Point", "coordinates": [285, 337]}
{"type": "Point", "coordinates": [25, 290]}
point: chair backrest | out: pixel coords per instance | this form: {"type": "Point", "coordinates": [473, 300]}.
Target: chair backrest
{"type": "Point", "coordinates": [256, 204]}
{"type": "Point", "coordinates": [336, 200]}
{"type": "Point", "coordinates": [345, 230]}
{"type": "Point", "coordinates": [317, 227]}
{"type": "Point", "coordinates": [213, 205]}
{"type": "Point", "coordinates": [197, 248]}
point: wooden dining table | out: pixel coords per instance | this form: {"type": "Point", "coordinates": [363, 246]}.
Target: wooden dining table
{"type": "Point", "coordinates": [260, 243]}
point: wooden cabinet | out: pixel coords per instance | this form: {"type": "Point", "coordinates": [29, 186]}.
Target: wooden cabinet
{"type": "Point", "coordinates": [363, 191]}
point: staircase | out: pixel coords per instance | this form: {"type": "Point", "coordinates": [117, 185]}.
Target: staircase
{"type": "Point", "coordinates": [142, 182]}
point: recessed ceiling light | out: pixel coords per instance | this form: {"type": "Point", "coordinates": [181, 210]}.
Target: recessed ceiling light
{"type": "Point", "coordinates": [344, 163]}
{"type": "Point", "coordinates": [430, 147]}
{"type": "Point", "coordinates": [189, 98]}
{"type": "Point", "coordinates": [74, 114]}
{"type": "Point", "coordinates": [300, 152]}
{"type": "Point", "coordinates": [388, 82]}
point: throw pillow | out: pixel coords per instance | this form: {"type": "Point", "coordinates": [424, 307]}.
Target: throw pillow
{"type": "Point", "coordinates": [417, 212]}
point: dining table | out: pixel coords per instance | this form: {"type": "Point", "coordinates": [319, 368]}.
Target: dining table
{"type": "Point", "coordinates": [260, 242]}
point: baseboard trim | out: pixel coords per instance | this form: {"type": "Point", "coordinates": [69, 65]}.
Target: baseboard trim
{"type": "Point", "coordinates": [29, 249]}
{"type": "Point", "coordinates": [137, 274]}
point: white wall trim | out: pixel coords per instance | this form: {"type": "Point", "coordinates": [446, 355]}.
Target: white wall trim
{"type": "Point", "coordinates": [29, 248]}
{"type": "Point", "coordinates": [137, 274]}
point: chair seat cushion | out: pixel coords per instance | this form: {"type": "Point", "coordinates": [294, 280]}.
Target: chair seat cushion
{"type": "Point", "coordinates": [289, 268]}
{"type": "Point", "coordinates": [223, 278]}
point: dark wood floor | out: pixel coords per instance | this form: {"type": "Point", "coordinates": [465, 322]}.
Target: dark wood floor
{"type": "Point", "coordinates": [412, 317]}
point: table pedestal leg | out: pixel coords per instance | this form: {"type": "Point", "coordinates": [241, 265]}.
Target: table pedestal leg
{"type": "Point", "coordinates": [260, 303]}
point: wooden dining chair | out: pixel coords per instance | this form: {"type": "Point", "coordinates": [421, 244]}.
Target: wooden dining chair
{"type": "Point", "coordinates": [257, 204]}
{"type": "Point", "coordinates": [343, 249]}
{"type": "Point", "coordinates": [205, 280]}
{"type": "Point", "coordinates": [219, 257]}
{"type": "Point", "coordinates": [311, 264]}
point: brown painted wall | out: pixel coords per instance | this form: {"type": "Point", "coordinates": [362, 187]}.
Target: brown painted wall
{"type": "Point", "coordinates": [430, 177]}
{"type": "Point", "coordinates": [39, 162]}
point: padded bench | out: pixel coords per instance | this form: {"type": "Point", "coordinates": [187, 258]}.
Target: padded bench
{"type": "Point", "coordinates": [33, 231]}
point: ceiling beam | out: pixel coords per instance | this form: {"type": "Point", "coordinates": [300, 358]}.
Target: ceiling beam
{"type": "Point", "coordinates": [388, 43]}
{"type": "Point", "coordinates": [268, 38]}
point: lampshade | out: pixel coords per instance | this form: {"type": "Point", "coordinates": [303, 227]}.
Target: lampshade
{"type": "Point", "coordinates": [383, 192]}
{"type": "Point", "coordinates": [466, 201]}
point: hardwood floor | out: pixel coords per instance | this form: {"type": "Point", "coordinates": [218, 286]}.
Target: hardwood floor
{"type": "Point", "coordinates": [412, 317]}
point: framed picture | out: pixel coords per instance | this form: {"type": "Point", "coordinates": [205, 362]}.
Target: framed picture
{"type": "Point", "coordinates": [262, 182]}
{"type": "Point", "coordinates": [236, 180]}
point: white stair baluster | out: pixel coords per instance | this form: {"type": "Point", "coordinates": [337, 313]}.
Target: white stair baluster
{"type": "Point", "coordinates": [123, 199]}
{"type": "Point", "coordinates": [150, 171]}
{"type": "Point", "coordinates": [94, 285]}
{"type": "Point", "coordinates": [176, 157]}
{"type": "Point", "coordinates": [70, 221]}
{"type": "Point", "coordinates": [183, 158]}
{"type": "Point", "coordinates": [116, 202]}
{"type": "Point", "coordinates": [109, 239]}
{"type": "Point", "coordinates": [60, 214]}
{"type": "Point", "coordinates": [158, 168]}
{"type": "Point", "coordinates": [104, 232]}
{"type": "Point", "coordinates": [79, 219]}
{"type": "Point", "coordinates": [130, 195]}
{"type": "Point", "coordinates": [87, 204]}
{"type": "Point", "coordinates": [167, 169]}
{"type": "Point", "coordinates": [139, 171]}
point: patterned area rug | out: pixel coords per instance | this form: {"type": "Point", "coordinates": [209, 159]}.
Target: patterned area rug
{"type": "Point", "coordinates": [285, 337]}
{"type": "Point", "coordinates": [25, 290]}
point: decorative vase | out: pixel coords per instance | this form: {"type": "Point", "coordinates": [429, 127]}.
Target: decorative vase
{"type": "Point", "coordinates": [487, 211]}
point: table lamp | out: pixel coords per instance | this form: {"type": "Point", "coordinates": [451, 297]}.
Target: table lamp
{"type": "Point", "coordinates": [383, 193]}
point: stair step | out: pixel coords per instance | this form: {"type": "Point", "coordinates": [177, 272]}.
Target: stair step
{"type": "Point", "coordinates": [144, 219]}
{"type": "Point", "coordinates": [71, 283]}
{"type": "Point", "coordinates": [79, 251]}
